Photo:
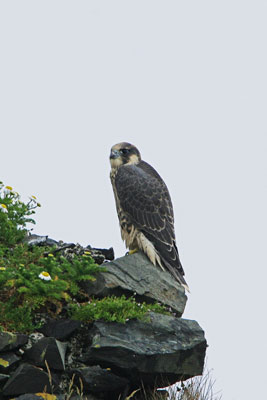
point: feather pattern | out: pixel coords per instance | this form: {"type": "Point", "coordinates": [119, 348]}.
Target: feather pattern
{"type": "Point", "coordinates": [145, 199]}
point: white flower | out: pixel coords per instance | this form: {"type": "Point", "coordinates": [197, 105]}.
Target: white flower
{"type": "Point", "coordinates": [8, 190]}
{"type": "Point", "coordinates": [45, 276]}
{"type": "Point", "coordinates": [3, 208]}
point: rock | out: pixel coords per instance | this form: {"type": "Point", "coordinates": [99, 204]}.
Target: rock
{"type": "Point", "coordinates": [107, 254]}
{"type": "Point", "coordinates": [27, 379]}
{"type": "Point", "coordinates": [4, 377]}
{"type": "Point", "coordinates": [48, 350]}
{"type": "Point", "coordinates": [98, 380]}
{"type": "Point", "coordinates": [69, 249]}
{"type": "Point", "coordinates": [32, 396]}
{"type": "Point", "coordinates": [7, 361]}
{"type": "Point", "coordinates": [11, 341]}
{"type": "Point", "coordinates": [136, 275]}
{"type": "Point", "coordinates": [37, 240]}
{"type": "Point", "coordinates": [60, 328]}
{"type": "Point", "coordinates": [165, 349]}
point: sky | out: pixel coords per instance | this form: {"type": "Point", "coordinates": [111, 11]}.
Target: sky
{"type": "Point", "coordinates": [184, 81]}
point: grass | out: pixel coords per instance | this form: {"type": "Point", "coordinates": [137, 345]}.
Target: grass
{"type": "Point", "coordinates": [197, 388]}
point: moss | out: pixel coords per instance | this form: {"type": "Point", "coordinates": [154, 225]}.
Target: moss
{"type": "Point", "coordinates": [117, 309]}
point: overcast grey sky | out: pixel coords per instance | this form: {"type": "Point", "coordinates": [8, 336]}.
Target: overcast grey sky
{"type": "Point", "coordinates": [185, 81]}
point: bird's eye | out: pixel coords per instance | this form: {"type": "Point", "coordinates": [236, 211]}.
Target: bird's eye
{"type": "Point", "coordinates": [125, 151]}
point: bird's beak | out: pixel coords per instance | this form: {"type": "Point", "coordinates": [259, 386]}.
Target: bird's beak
{"type": "Point", "coordinates": [114, 154]}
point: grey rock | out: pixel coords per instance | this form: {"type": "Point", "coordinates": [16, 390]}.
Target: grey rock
{"type": "Point", "coordinates": [48, 350]}
{"type": "Point", "coordinates": [27, 379]}
{"type": "Point", "coordinates": [4, 377]}
{"type": "Point", "coordinates": [101, 254]}
{"type": "Point", "coordinates": [11, 341]}
{"type": "Point", "coordinates": [7, 361]}
{"type": "Point", "coordinates": [37, 240]}
{"type": "Point", "coordinates": [60, 328]}
{"type": "Point", "coordinates": [136, 275]}
{"type": "Point", "coordinates": [98, 380]}
{"type": "Point", "coordinates": [165, 349]}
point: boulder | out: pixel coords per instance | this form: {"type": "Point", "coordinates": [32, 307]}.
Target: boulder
{"type": "Point", "coordinates": [60, 328]}
{"type": "Point", "coordinates": [98, 380]}
{"type": "Point", "coordinates": [163, 350]}
{"type": "Point", "coordinates": [135, 275]}
{"type": "Point", "coordinates": [7, 361]}
{"type": "Point", "coordinates": [11, 341]}
{"type": "Point", "coordinates": [27, 379]}
{"type": "Point", "coordinates": [48, 350]}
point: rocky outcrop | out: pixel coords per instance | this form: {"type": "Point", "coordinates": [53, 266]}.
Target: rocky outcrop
{"type": "Point", "coordinates": [163, 349]}
{"type": "Point", "coordinates": [135, 275]}
{"type": "Point", "coordinates": [105, 360]}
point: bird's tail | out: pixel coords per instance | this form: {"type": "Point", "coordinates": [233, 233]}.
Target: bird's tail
{"type": "Point", "coordinates": [177, 272]}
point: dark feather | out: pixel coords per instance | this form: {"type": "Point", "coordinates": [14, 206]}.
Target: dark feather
{"type": "Point", "coordinates": [144, 196]}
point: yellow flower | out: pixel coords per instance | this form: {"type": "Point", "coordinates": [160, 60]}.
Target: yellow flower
{"type": "Point", "coordinates": [50, 255]}
{"type": "Point", "coordinates": [9, 188]}
{"type": "Point", "coordinates": [33, 197]}
{"type": "Point", "coordinates": [45, 276]}
{"type": "Point", "coordinates": [88, 253]}
{"type": "Point", "coordinates": [2, 268]}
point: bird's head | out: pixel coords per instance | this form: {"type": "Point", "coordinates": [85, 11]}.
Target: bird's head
{"type": "Point", "coordinates": [124, 153]}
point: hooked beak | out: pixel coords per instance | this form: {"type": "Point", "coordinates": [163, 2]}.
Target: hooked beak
{"type": "Point", "coordinates": [114, 154]}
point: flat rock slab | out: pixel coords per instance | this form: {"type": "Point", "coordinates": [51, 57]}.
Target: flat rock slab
{"type": "Point", "coordinates": [7, 361]}
{"type": "Point", "coordinates": [27, 379]}
{"type": "Point", "coordinates": [163, 350]}
{"type": "Point", "coordinates": [12, 341]}
{"type": "Point", "coordinates": [136, 275]}
{"type": "Point", "coordinates": [60, 329]}
{"type": "Point", "coordinates": [98, 380]}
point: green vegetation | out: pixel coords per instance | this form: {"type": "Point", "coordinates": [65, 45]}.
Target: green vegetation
{"type": "Point", "coordinates": [38, 280]}
{"type": "Point", "coordinates": [113, 308]}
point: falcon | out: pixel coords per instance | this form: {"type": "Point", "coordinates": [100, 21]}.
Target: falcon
{"type": "Point", "coordinates": [144, 209]}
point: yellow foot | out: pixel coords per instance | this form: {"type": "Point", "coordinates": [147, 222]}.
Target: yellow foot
{"type": "Point", "coordinates": [133, 251]}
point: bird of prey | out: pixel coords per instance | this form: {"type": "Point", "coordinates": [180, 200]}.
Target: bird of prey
{"type": "Point", "coordinates": [144, 209]}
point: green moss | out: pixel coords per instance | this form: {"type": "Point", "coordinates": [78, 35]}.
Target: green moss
{"type": "Point", "coordinates": [117, 309]}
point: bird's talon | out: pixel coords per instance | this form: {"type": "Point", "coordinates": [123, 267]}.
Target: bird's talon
{"type": "Point", "coordinates": [132, 251]}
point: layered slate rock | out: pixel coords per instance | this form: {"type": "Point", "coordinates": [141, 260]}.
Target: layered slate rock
{"type": "Point", "coordinates": [98, 380]}
{"type": "Point", "coordinates": [60, 328]}
{"type": "Point", "coordinates": [165, 349]}
{"type": "Point", "coordinates": [50, 351]}
{"type": "Point", "coordinates": [7, 361]}
{"type": "Point", "coordinates": [136, 275]}
{"type": "Point", "coordinates": [11, 341]}
{"type": "Point", "coordinates": [107, 360]}
{"type": "Point", "coordinates": [27, 379]}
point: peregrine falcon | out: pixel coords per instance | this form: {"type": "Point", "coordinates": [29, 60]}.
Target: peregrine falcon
{"type": "Point", "coordinates": [144, 209]}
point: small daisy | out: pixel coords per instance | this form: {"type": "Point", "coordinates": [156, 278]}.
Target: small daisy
{"type": "Point", "coordinates": [45, 276]}
{"type": "Point", "coordinates": [3, 208]}
{"type": "Point", "coordinates": [8, 190]}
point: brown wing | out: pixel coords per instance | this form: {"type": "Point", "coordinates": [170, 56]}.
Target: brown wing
{"type": "Point", "coordinates": [144, 196]}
